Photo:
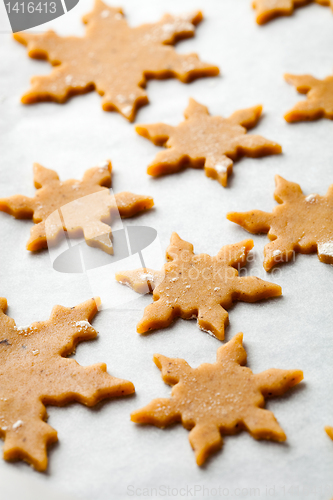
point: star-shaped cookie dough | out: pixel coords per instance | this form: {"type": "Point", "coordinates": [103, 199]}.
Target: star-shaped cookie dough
{"type": "Point", "coordinates": [220, 398]}
{"type": "Point", "coordinates": [319, 102]}
{"type": "Point", "coordinates": [266, 10]}
{"type": "Point", "coordinates": [197, 286]}
{"type": "Point", "coordinates": [74, 206]}
{"type": "Point", "coordinates": [34, 372]}
{"type": "Point", "coordinates": [113, 59]}
{"type": "Point", "coordinates": [300, 224]}
{"type": "Point", "coordinates": [329, 431]}
{"type": "Point", "coordinates": [209, 142]}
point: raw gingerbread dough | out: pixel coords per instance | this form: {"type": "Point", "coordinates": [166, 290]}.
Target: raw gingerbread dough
{"type": "Point", "coordinates": [197, 286]}
{"type": "Point", "coordinates": [34, 372]}
{"type": "Point", "coordinates": [266, 10]}
{"type": "Point", "coordinates": [74, 206]}
{"type": "Point", "coordinates": [329, 431]}
{"type": "Point", "coordinates": [113, 59]}
{"type": "Point", "coordinates": [220, 398]}
{"type": "Point", "coordinates": [319, 102]}
{"type": "Point", "coordinates": [207, 141]}
{"type": "Point", "coordinates": [301, 224]}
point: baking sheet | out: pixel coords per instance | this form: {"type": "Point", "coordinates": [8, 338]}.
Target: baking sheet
{"type": "Point", "coordinates": [101, 454]}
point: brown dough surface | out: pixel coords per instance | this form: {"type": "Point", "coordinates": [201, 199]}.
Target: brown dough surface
{"type": "Point", "coordinates": [266, 10]}
{"type": "Point", "coordinates": [301, 224]}
{"type": "Point", "coordinates": [319, 102]}
{"type": "Point", "coordinates": [34, 372]}
{"type": "Point", "coordinates": [220, 398]}
{"type": "Point", "coordinates": [59, 206]}
{"type": "Point", "coordinates": [197, 286]}
{"type": "Point", "coordinates": [207, 141]}
{"type": "Point", "coordinates": [114, 59]}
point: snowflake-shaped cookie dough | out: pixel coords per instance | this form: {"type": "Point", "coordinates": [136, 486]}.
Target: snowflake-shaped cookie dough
{"type": "Point", "coordinates": [197, 286]}
{"type": "Point", "coordinates": [319, 102]}
{"type": "Point", "coordinates": [329, 431]}
{"type": "Point", "coordinates": [34, 372]}
{"type": "Point", "coordinates": [74, 206]}
{"type": "Point", "coordinates": [207, 141]}
{"type": "Point", "coordinates": [266, 10]}
{"type": "Point", "coordinates": [220, 398]}
{"type": "Point", "coordinates": [300, 224]}
{"type": "Point", "coordinates": [114, 59]}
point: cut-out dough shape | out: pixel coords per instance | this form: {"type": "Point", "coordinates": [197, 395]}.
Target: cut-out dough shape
{"type": "Point", "coordinates": [113, 59]}
{"type": "Point", "coordinates": [212, 142]}
{"type": "Point", "coordinates": [329, 431]}
{"type": "Point", "coordinates": [34, 372]}
{"type": "Point", "coordinates": [319, 101]}
{"type": "Point", "coordinates": [197, 286]}
{"type": "Point", "coordinates": [74, 206]}
{"type": "Point", "coordinates": [266, 10]}
{"type": "Point", "coordinates": [301, 224]}
{"type": "Point", "coordinates": [220, 398]}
